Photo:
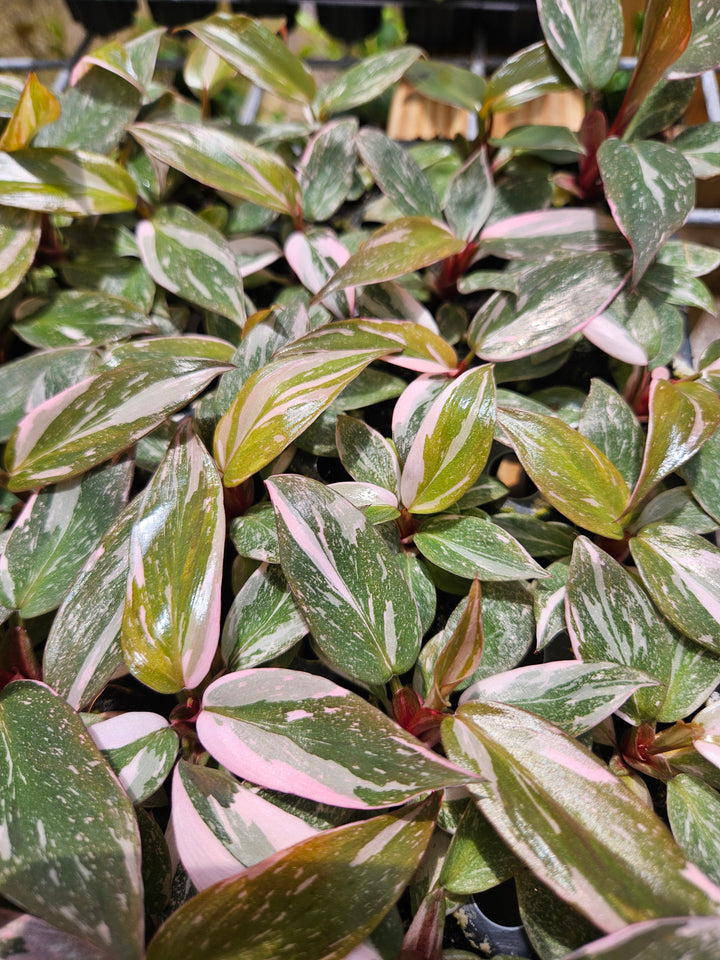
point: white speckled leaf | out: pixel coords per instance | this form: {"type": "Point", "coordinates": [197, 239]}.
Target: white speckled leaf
{"type": "Point", "coordinates": [397, 174]}
{"type": "Point", "coordinates": [683, 938]}
{"type": "Point", "coordinates": [365, 81]}
{"type": "Point", "coordinates": [694, 813]}
{"type": "Point", "coordinates": [366, 455]}
{"type": "Point", "coordinates": [19, 239]}
{"type": "Point", "coordinates": [703, 50]}
{"type": "Point", "coordinates": [23, 937]}
{"type": "Point", "coordinates": [327, 168]}
{"type": "Point", "coordinates": [607, 421]}
{"type": "Point", "coordinates": [140, 747]}
{"type": "Point", "coordinates": [81, 318]}
{"type": "Point", "coordinates": [85, 879]}
{"type": "Point", "coordinates": [586, 37]}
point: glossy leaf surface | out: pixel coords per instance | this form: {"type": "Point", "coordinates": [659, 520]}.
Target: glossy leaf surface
{"type": "Point", "coordinates": [607, 421]}
{"type": "Point", "coordinates": [327, 168]}
{"type": "Point", "coordinates": [365, 81]}
{"type": "Point", "coordinates": [526, 75]}
{"type": "Point", "coordinates": [571, 230]}
{"type": "Point", "coordinates": [19, 239]}
{"type": "Point", "coordinates": [693, 810]}
{"type": "Point", "coordinates": [676, 938]}
{"type": "Point", "coordinates": [140, 748]}
{"type": "Point", "coordinates": [397, 174]}
{"type": "Point", "coordinates": [701, 52]}
{"type": "Point", "coordinates": [79, 317]}
{"type": "Point", "coordinates": [366, 455]}
{"type": "Point", "coordinates": [585, 37]}
{"type": "Point", "coordinates": [461, 655]}
{"type": "Point", "coordinates": [470, 196]}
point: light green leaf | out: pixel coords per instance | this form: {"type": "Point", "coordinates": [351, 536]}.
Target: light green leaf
{"type": "Point", "coordinates": [572, 474]}
{"type": "Point", "coordinates": [551, 925]}
{"type": "Point", "coordinates": [525, 76]}
{"type": "Point", "coordinates": [257, 54]}
{"type": "Point", "coordinates": [547, 141]}
{"type": "Point", "coordinates": [397, 174]}
{"type": "Point", "coordinates": [700, 145]}
{"type": "Point", "coordinates": [542, 233]}
{"type": "Point", "coordinates": [346, 581]}
{"type": "Point", "coordinates": [36, 107]}
{"type": "Point", "coordinates": [585, 36]}
{"type": "Point", "coordinates": [467, 546]}
{"type": "Point", "coordinates": [19, 239]}
{"type": "Point", "coordinates": [366, 455]}
{"type": "Point", "coordinates": [263, 622]}
{"type": "Point", "coordinates": [188, 257]}
{"type": "Point", "coordinates": [107, 412]}
{"type": "Point", "coordinates": [452, 444]}
{"type": "Point", "coordinates": [82, 318]}
{"type": "Point", "coordinates": [702, 52]}
{"type": "Point", "coordinates": [171, 621]}
{"type": "Point", "coordinates": [541, 538]}
{"type": "Point", "coordinates": [278, 403]}
{"type": "Point", "coordinates": [676, 506]}
{"type": "Point", "coordinates": [11, 86]}
{"type": "Point", "coordinates": [304, 735]}
{"type": "Point", "coordinates": [365, 81]}
{"type": "Point", "coordinates": [476, 859]}
{"type": "Point", "coordinates": [223, 160]}
{"type": "Point", "coordinates": [64, 181]}
{"type": "Point", "coordinates": [327, 168]}
{"type": "Point", "coordinates": [140, 748]}
{"type": "Point", "coordinates": [607, 421]}
{"type": "Point", "coordinates": [254, 534]}
{"type": "Point", "coordinates": [133, 60]}
{"type": "Point", "coordinates": [448, 83]}
{"type": "Point", "coordinates": [54, 534]}
{"type": "Point", "coordinates": [551, 801]}
{"type": "Point", "coordinates": [675, 939]}
{"type": "Point", "coordinates": [702, 476]}
{"type": "Point", "coordinates": [469, 197]}
{"type": "Point", "coordinates": [650, 188]}
{"type": "Point", "coordinates": [681, 571]}
{"type": "Point", "coordinates": [694, 813]}
{"type": "Point", "coordinates": [86, 879]}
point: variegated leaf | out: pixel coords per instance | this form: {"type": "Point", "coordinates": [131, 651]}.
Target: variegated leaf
{"type": "Point", "coordinates": [106, 413]}
{"type": "Point", "coordinates": [452, 444]}
{"type": "Point", "coordinates": [397, 174]}
{"type": "Point", "coordinates": [674, 939]}
{"type": "Point", "coordinates": [694, 813]}
{"type": "Point", "coordinates": [549, 603]}
{"type": "Point", "coordinates": [543, 233]}
{"type": "Point", "coordinates": [315, 255]}
{"type": "Point", "coordinates": [585, 36]}
{"type": "Point", "coordinates": [477, 859]}
{"type": "Point", "coordinates": [365, 81]}
{"type": "Point", "coordinates": [23, 937]}
{"type": "Point", "coordinates": [171, 621]}
{"type": "Point", "coordinates": [607, 421]}
{"type": "Point", "coordinates": [526, 75]}
{"type": "Point", "coordinates": [83, 650]}
{"type": "Point", "coordinates": [550, 800]}
{"type": "Point", "coordinates": [571, 473]}
{"type": "Point", "coordinates": [470, 546]}
{"type": "Point", "coordinates": [681, 571]}
{"type": "Point", "coordinates": [702, 51]}
{"type": "Point", "coordinates": [470, 196]}
{"type": "Point", "coordinates": [54, 534]}
{"type": "Point", "coordinates": [460, 657]}
{"type": "Point", "coordinates": [19, 239]}
{"type": "Point", "coordinates": [133, 61]}
{"type": "Point", "coordinates": [410, 410]}
{"type": "Point", "coordinates": [366, 455]}
{"type": "Point", "coordinates": [188, 257]}
{"type": "Point", "coordinates": [346, 581]}
{"type": "Point", "coordinates": [327, 168]}
{"type": "Point", "coordinates": [82, 318]}
{"type": "Point", "coordinates": [304, 735]}
{"type": "Point", "coordinates": [140, 748]}
{"type": "Point", "coordinates": [447, 83]}
{"type": "Point", "coordinates": [86, 879]}
{"type": "Point", "coordinates": [278, 403]}
{"type": "Point", "coordinates": [254, 534]}
{"type": "Point", "coordinates": [36, 107]}
{"type": "Point", "coordinates": [702, 476]}
{"type": "Point", "coordinates": [700, 145]}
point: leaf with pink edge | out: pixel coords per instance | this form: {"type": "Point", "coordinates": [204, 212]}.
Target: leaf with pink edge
{"type": "Point", "coordinates": [140, 747]}
{"type": "Point", "coordinates": [677, 938]}
{"type": "Point", "coordinates": [543, 233]}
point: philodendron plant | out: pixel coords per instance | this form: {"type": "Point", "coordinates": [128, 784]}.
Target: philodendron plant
{"type": "Point", "coordinates": [288, 669]}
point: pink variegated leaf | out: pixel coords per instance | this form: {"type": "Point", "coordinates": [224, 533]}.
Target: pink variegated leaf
{"type": "Point", "coordinates": [305, 735]}
{"type": "Point", "coordinates": [614, 338]}
{"type": "Point", "coordinates": [140, 747]}
{"type": "Point", "coordinates": [315, 256]}
{"type": "Point", "coordinates": [548, 233]}
{"type": "Point", "coordinates": [424, 938]}
{"type": "Point", "coordinates": [397, 174]}
{"type": "Point", "coordinates": [586, 40]}
{"type": "Point", "coordinates": [366, 455]}
{"type": "Point", "coordinates": [676, 938]}
{"type": "Point", "coordinates": [254, 253]}
{"type": "Point", "coordinates": [171, 621]}
{"type": "Point", "coordinates": [23, 937]}
{"type": "Point", "coordinates": [327, 168]}
{"type": "Point", "coordinates": [460, 657]}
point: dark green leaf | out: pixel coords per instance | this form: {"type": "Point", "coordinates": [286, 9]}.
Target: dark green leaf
{"type": "Point", "coordinates": [523, 77]}
{"type": "Point", "coordinates": [365, 81]}
{"type": "Point", "coordinates": [586, 38]}
{"type": "Point", "coordinates": [397, 174]}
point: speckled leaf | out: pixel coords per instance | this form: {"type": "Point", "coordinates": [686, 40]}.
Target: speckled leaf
{"type": "Point", "coordinates": [224, 160]}
{"type": "Point", "coordinates": [346, 581]}
{"type": "Point", "coordinates": [574, 696]}
{"type": "Point", "coordinates": [366, 455]}
{"type": "Point", "coordinates": [467, 546]}
{"type": "Point", "coordinates": [254, 534]}
{"type": "Point", "coordinates": [36, 107]}
{"type": "Point", "coordinates": [572, 474]}
{"type": "Point", "coordinates": [19, 239]}
{"type": "Point", "coordinates": [681, 571]}
{"type": "Point", "coordinates": [83, 650]}
{"type": "Point", "coordinates": [477, 859]}
{"type": "Point", "coordinates": [397, 174]}
{"type": "Point", "coordinates": [263, 622]}
{"type": "Point", "coordinates": [610, 618]}
{"type": "Point", "coordinates": [673, 939]}
{"type": "Point", "coordinates": [140, 747]}
{"type": "Point", "coordinates": [64, 181]}
{"type": "Point", "coordinates": [410, 410]}
{"type": "Point", "coordinates": [535, 235]}
{"type": "Point", "coordinates": [607, 421]}
{"type": "Point", "coordinates": [257, 54]}
{"type": "Point", "coordinates": [315, 255]}
{"type": "Point", "coordinates": [304, 735]}
{"type": "Point", "coordinates": [700, 145]}
{"type": "Point", "coordinates": [133, 61]}
{"type": "Point", "coordinates": [327, 168]}
{"type": "Point", "coordinates": [682, 416]}
{"type": "Point", "coordinates": [54, 534]}
{"type": "Point", "coordinates": [448, 83]}
{"type": "Point", "coordinates": [23, 937]}
{"type": "Point", "coordinates": [405, 245]}
{"type": "Point", "coordinates": [525, 76]}
{"type": "Point", "coordinates": [585, 36]}
{"type": "Point", "coordinates": [551, 925]}
{"type": "Point", "coordinates": [702, 475]}
{"type": "Point", "coordinates": [650, 188]}
{"type": "Point", "coordinates": [694, 813]}
{"type": "Point", "coordinates": [452, 444]}
{"type": "Point", "coordinates": [549, 603]}
{"type": "Point", "coordinates": [188, 257]}
{"type": "Point", "coordinates": [86, 879]}
{"type": "Point", "coordinates": [703, 51]}
{"type": "Point", "coordinates": [365, 81]}
{"type": "Point", "coordinates": [278, 403]}
{"type": "Point", "coordinates": [107, 412]}
{"type": "Point", "coordinates": [82, 318]}
{"type": "Point", "coordinates": [470, 196]}
{"type": "Point", "coordinates": [171, 621]}
{"type": "Point", "coordinates": [573, 823]}
{"type": "Point", "coordinates": [553, 301]}
{"type": "Point", "coordinates": [460, 657]}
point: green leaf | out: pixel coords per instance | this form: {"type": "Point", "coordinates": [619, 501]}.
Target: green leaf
{"type": "Point", "coordinates": [36, 107]}
{"type": "Point", "coordinates": [574, 696]}
{"type": "Point", "coordinates": [256, 53]}
{"type": "Point", "coordinates": [700, 146]}
{"type": "Point", "coordinates": [402, 246]}
{"type": "Point", "coordinates": [365, 81]}
{"type": "Point", "coordinates": [675, 939]}
{"type": "Point", "coordinates": [19, 240]}
{"type": "Point", "coordinates": [551, 925]}
{"type": "Point", "coordinates": [663, 107]}
{"type": "Point", "coordinates": [366, 455]}
{"type": "Point", "coordinates": [397, 174]}
{"type": "Point", "coordinates": [681, 571]}
{"type": "Point", "coordinates": [223, 160]}
{"type": "Point", "coordinates": [682, 416]}
{"type": "Point", "coordinates": [107, 412]}
{"type": "Point", "coordinates": [327, 168]}
{"type": "Point", "coordinates": [571, 473]}
{"type": "Point", "coordinates": [82, 318]}
{"type": "Point", "coordinates": [11, 87]}
{"type": "Point", "coordinates": [254, 535]}
{"type": "Point", "coordinates": [305, 735]}
{"type": "Point", "coordinates": [467, 546]}
{"type": "Point", "coordinates": [476, 859]}
{"type": "Point", "coordinates": [452, 444]}
{"type": "Point", "coordinates": [460, 657]}
{"type": "Point", "coordinates": [188, 257]}
{"type": "Point", "coordinates": [701, 53]}
{"type": "Point", "coordinates": [447, 83]}
{"type": "Point", "coordinates": [607, 421]}
{"type": "Point", "coordinates": [534, 235]}
{"type": "Point", "coordinates": [525, 76]}
{"type": "Point", "coordinates": [650, 188]}
{"type": "Point", "coordinates": [469, 197]}
{"type": "Point", "coordinates": [694, 814]}
{"type": "Point", "coordinates": [585, 37]}
{"type": "Point", "coordinates": [549, 603]}
{"type": "Point", "coordinates": [263, 622]}
{"type": "Point", "coordinates": [133, 60]}
{"type": "Point", "coordinates": [64, 181]}
{"type": "Point", "coordinates": [702, 476]}
{"type": "Point", "coordinates": [83, 650]}
{"type": "Point", "coordinates": [547, 141]}
{"type": "Point", "coordinates": [610, 618]}
{"type": "Point", "coordinates": [54, 534]}
{"type": "Point", "coordinates": [551, 801]}
{"type": "Point", "coordinates": [84, 877]}
{"type": "Point", "coordinates": [171, 621]}
{"type": "Point", "coordinates": [541, 538]}
{"type": "Point", "coordinates": [346, 581]}
{"type": "Point", "coordinates": [278, 403]}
